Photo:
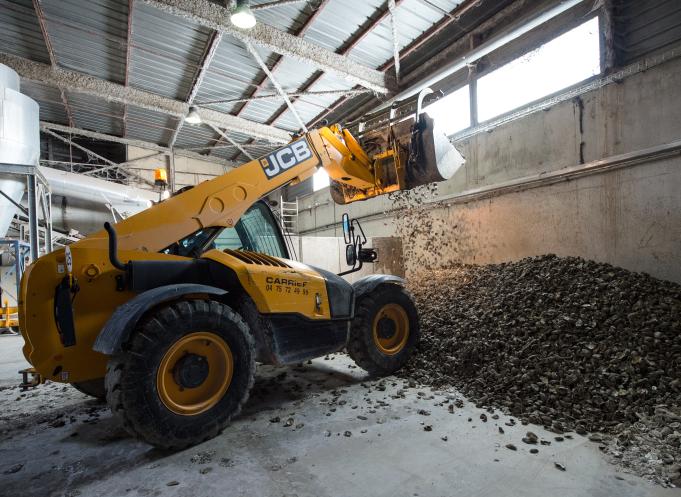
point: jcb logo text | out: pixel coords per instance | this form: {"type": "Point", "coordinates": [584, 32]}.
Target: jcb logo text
{"type": "Point", "coordinates": [285, 158]}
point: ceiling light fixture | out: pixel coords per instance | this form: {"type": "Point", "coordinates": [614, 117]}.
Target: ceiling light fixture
{"type": "Point", "coordinates": [193, 116]}
{"type": "Point", "coordinates": [242, 17]}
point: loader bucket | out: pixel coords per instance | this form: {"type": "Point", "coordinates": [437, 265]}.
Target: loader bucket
{"type": "Point", "coordinates": [405, 154]}
{"type": "Point", "coordinates": [432, 157]}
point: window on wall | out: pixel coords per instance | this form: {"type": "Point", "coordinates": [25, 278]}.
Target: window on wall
{"type": "Point", "coordinates": [320, 180]}
{"type": "Point", "coordinates": [564, 61]}
{"type": "Point", "coordinates": [453, 112]}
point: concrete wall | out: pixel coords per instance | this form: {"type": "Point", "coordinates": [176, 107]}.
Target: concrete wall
{"type": "Point", "coordinates": [329, 253]}
{"type": "Point", "coordinates": [629, 217]}
{"type": "Point", "coordinates": [187, 171]}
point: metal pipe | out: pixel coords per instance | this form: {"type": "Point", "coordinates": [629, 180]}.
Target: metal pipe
{"type": "Point", "coordinates": [230, 140]}
{"type": "Point", "coordinates": [31, 187]}
{"type": "Point", "coordinates": [171, 172]}
{"type": "Point", "coordinates": [254, 53]}
{"type": "Point", "coordinates": [122, 164]}
{"type": "Point", "coordinates": [396, 47]}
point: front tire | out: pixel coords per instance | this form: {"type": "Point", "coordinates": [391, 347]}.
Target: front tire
{"type": "Point", "coordinates": [385, 330]}
{"type": "Point", "coordinates": [184, 374]}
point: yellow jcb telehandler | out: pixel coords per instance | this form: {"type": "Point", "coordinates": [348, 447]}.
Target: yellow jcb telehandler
{"type": "Point", "coordinates": [166, 313]}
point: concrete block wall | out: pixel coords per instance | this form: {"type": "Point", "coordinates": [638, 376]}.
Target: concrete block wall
{"type": "Point", "coordinates": [187, 171]}
{"type": "Point", "coordinates": [630, 217]}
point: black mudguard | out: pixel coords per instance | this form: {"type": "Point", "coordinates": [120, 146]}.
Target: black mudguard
{"type": "Point", "coordinates": [121, 323]}
{"type": "Point", "coordinates": [368, 284]}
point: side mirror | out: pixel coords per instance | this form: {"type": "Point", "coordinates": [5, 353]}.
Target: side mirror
{"type": "Point", "coordinates": [350, 255]}
{"type": "Point", "coordinates": [354, 237]}
{"type": "Point", "coordinates": [347, 234]}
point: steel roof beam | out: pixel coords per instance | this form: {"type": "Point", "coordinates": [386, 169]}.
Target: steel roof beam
{"type": "Point", "coordinates": [111, 163]}
{"type": "Point", "coordinates": [351, 43]}
{"type": "Point", "coordinates": [454, 16]}
{"type": "Point", "coordinates": [396, 48]}
{"type": "Point", "coordinates": [214, 16]}
{"type": "Point", "coordinates": [50, 51]}
{"type": "Point", "coordinates": [232, 142]}
{"type": "Point", "coordinates": [134, 143]}
{"type": "Point", "coordinates": [486, 47]}
{"type": "Point", "coordinates": [276, 3]}
{"type": "Point", "coordinates": [207, 58]}
{"type": "Point", "coordinates": [278, 96]}
{"type": "Point", "coordinates": [254, 53]}
{"type": "Point", "coordinates": [122, 164]}
{"type": "Point", "coordinates": [299, 32]}
{"type": "Point", "coordinates": [279, 60]}
{"type": "Point", "coordinates": [128, 54]}
{"type": "Point", "coordinates": [114, 92]}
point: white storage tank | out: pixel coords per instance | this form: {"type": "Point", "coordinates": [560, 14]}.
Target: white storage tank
{"type": "Point", "coordinates": [19, 141]}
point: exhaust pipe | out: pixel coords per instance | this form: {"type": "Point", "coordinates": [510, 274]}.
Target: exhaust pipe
{"type": "Point", "coordinates": [113, 248]}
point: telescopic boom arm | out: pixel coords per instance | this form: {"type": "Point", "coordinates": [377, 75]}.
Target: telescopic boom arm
{"type": "Point", "coordinates": [399, 157]}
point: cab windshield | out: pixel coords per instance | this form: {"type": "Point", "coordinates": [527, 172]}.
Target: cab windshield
{"type": "Point", "coordinates": [257, 231]}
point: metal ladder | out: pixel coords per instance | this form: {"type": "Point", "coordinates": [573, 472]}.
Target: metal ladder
{"type": "Point", "coordinates": [288, 214]}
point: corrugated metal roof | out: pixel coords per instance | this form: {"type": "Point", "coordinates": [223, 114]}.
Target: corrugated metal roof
{"type": "Point", "coordinates": [192, 136]}
{"type": "Point", "coordinates": [150, 126]}
{"type": "Point", "coordinates": [96, 114]}
{"type": "Point", "coordinates": [413, 18]}
{"type": "Point", "coordinates": [310, 106]}
{"type": "Point", "coordinates": [287, 17]}
{"type": "Point", "coordinates": [226, 151]}
{"type": "Point", "coordinates": [51, 106]}
{"type": "Point", "coordinates": [337, 23]}
{"type": "Point", "coordinates": [166, 52]}
{"type": "Point", "coordinates": [332, 29]}
{"type": "Point", "coordinates": [646, 26]}
{"type": "Point", "coordinates": [20, 31]}
{"type": "Point", "coordinates": [89, 37]}
{"type": "Point", "coordinates": [232, 73]}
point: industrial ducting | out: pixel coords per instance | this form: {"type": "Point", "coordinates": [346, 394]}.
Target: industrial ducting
{"type": "Point", "coordinates": [84, 204]}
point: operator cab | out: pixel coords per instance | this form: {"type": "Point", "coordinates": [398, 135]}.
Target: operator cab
{"type": "Point", "coordinates": [257, 231]}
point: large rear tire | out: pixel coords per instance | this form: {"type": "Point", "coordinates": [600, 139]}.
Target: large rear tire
{"type": "Point", "coordinates": [93, 388]}
{"type": "Point", "coordinates": [184, 374]}
{"type": "Point", "coordinates": [385, 330]}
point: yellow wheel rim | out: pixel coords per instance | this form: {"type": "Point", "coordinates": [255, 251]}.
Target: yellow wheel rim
{"type": "Point", "coordinates": [195, 373]}
{"type": "Point", "coordinates": [391, 329]}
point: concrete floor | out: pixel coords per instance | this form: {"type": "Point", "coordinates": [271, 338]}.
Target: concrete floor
{"type": "Point", "coordinates": [69, 445]}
